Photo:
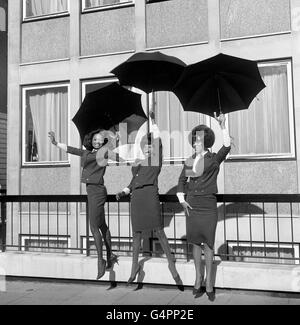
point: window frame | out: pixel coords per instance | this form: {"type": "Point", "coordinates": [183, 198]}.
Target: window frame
{"type": "Point", "coordinates": [44, 163]}
{"type": "Point", "coordinates": [45, 16]}
{"type": "Point", "coordinates": [290, 89]}
{"type": "Point", "coordinates": [85, 9]}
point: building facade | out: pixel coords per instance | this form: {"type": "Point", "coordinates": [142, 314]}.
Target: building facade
{"type": "Point", "coordinates": [57, 54]}
{"type": "Point", "coordinates": [3, 91]}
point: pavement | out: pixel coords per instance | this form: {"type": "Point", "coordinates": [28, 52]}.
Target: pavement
{"type": "Point", "coordinates": [20, 291]}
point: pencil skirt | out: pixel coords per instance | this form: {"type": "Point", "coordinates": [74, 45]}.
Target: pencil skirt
{"type": "Point", "coordinates": [97, 196]}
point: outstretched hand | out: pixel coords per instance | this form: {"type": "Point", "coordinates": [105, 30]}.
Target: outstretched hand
{"type": "Point", "coordinates": [221, 119]}
{"type": "Point", "coordinates": [51, 135]}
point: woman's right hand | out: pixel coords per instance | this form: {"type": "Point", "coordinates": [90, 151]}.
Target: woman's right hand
{"type": "Point", "coordinates": [120, 195]}
{"type": "Point", "coordinates": [186, 207]}
{"type": "Point", "coordinates": [51, 135]}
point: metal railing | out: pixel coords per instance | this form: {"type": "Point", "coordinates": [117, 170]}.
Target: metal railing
{"type": "Point", "coordinates": [251, 228]}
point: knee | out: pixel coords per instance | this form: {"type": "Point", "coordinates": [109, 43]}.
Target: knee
{"type": "Point", "coordinates": [94, 228]}
{"type": "Point", "coordinates": [104, 228]}
{"type": "Point", "coordinates": [160, 233]}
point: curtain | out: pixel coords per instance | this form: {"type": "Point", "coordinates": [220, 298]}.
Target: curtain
{"type": "Point", "coordinates": [175, 125]}
{"type": "Point", "coordinates": [264, 128]}
{"type": "Point", "coordinates": [99, 3]}
{"type": "Point", "coordinates": [49, 111]}
{"type": "Point", "coordinates": [45, 7]}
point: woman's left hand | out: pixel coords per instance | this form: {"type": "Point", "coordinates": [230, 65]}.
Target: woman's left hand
{"type": "Point", "coordinates": [221, 119]}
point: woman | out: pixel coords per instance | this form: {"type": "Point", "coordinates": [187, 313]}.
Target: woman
{"type": "Point", "coordinates": [94, 162]}
{"type": "Point", "coordinates": [145, 204]}
{"type": "Point", "coordinates": [200, 205]}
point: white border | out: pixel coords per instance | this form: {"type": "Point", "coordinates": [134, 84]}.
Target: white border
{"type": "Point", "coordinates": [53, 15]}
{"type": "Point", "coordinates": [292, 154]}
{"type": "Point", "coordinates": [125, 3]}
{"type": "Point", "coordinates": [44, 163]}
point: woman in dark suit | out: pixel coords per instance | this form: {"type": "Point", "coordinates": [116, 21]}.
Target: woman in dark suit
{"type": "Point", "coordinates": [94, 162]}
{"type": "Point", "coordinates": [200, 204]}
{"type": "Point", "coordinates": [145, 205]}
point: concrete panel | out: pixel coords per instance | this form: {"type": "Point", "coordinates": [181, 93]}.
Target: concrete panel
{"type": "Point", "coordinates": [261, 177]}
{"type": "Point", "coordinates": [107, 31]}
{"type": "Point", "coordinates": [167, 22]}
{"type": "Point", "coordinates": [240, 18]}
{"type": "Point", "coordinates": [45, 40]}
{"type": "Point", "coordinates": [235, 275]}
{"type": "Point", "coordinates": [45, 181]}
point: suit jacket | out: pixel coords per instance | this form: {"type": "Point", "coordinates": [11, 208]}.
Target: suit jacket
{"type": "Point", "coordinates": [92, 173]}
{"type": "Point", "coordinates": [203, 182]}
{"type": "Point", "coordinates": [145, 172]}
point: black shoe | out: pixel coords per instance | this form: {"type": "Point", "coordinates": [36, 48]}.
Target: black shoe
{"type": "Point", "coordinates": [179, 282]}
{"type": "Point", "coordinates": [132, 277]}
{"type": "Point", "coordinates": [111, 261]}
{"type": "Point", "coordinates": [211, 295]}
{"type": "Point", "coordinates": [101, 269]}
{"type": "Point", "coordinates": [198, 292]}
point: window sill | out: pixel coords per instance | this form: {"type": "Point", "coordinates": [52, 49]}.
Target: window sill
{"type": "Point", "coordinates": [107, 7]}
{"type": "Point", "coordinates": [45, 165]}
{"type": "Point", "coordinates": [45, 17]}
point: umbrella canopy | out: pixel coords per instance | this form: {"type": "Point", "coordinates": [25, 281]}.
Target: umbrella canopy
{"type": "Point", "coordinates": [150, 71]}
{"type": "Point", "coordinates": [107, 107]}
{"type": "Point", "coordinates": [220, 84]}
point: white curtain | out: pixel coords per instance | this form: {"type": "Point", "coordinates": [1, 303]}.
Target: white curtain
{"type": "Point", "coordinates": [175, 125]}
{"type": "Point", "coordinates": [45, 7]}
{"type": "Point", "coordinates": [264, 128]}
{"type": "Point", "coordinates": [49, 110]}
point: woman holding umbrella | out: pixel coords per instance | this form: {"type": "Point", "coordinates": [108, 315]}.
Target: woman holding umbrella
{"type": "Point", "coordinates": [201, 205]}
{"type": "Point", "coordinates": [145, 204]}
{"type": "Point", "coordinates": [94, 162]}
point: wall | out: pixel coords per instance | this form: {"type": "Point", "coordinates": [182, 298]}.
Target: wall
{"type": "Point", "coordinates": [3, 56]}
{"type": "Point", "coordinates": [83, 53]}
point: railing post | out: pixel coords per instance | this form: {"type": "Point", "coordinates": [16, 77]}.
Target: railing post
{"type": "Point", "coordinates": [88, 253]}
{"type": "Point", "coordinates": [3, 226]}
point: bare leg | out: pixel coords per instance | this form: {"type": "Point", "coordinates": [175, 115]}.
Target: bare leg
{"type": "Point", "coordinates": [136, 245]}
{"type": "Point", "coordinates": [197, 253]}
{"type": "Point", "coordinates": [209, 255]}
{"type": "Point", "coordinates": [98, 242]}
{"type": "Point", "coordinates": [107, 241]}
{"type": "Point", "coordinates": [166, 248]}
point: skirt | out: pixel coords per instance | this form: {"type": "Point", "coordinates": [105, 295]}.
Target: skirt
{"type": "Point", "coordinates": [203, 219]}
{"type": "Point", "coordinates": [97, 196]}
{"type": "Point", "coordinates": [145, 209]}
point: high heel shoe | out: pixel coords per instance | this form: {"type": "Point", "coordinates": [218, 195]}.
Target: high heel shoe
{"type": "Point", "coordinates": [179, 282]}
{"type": "Point", "coordinates": [132, 277]}
{"type": "Point", "coordinates": [211, 295]}
{"type": "Point", "coordinates": [101, 269]}
{"type": "Point", "coordinates": [198, 292]}
{"type": "Point", "coordinates": [111, 261]}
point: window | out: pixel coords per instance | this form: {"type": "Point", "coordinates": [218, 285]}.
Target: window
{"type": "Point", "coordinates": [41, 8]}
{"type": "Point", "coordinates": [263, 252]}
{"type": "Point", "coordinates": [45, 109]}
{"type": "Point", "coordinates": [92, 4]}
{"type": "Point", "coordinates": [175, 125]}
{"type": "Point", "coordinates": [266, 129]}
{"type": "Point", "coordinates": [45, 243]}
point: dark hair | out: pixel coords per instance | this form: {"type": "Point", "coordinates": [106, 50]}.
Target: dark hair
{"type": "Point", "coordinates": [208, 135]}
{"type": "Point", "coordinates": [88, 139]}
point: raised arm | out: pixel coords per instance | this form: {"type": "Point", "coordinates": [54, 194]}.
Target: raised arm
{"type": "Point", "coordinates": [63, 146]}
{"type": "Point", "coordinates": [224, 151]}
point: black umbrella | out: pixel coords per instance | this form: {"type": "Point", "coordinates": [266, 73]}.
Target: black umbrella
{"type": "Point", "coordinates": [153, 71]}
{"type": "Point", "coordinates": [107, 107]}
{"type": "Point", "coordinates": [220, 84]}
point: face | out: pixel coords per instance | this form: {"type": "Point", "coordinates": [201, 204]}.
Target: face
{"type": "Point", "coordinates": [147, 150]}
{"type": "Point", "coordinates": [198, 145]}
{"type": "Point", "coordinates": [98, 140]}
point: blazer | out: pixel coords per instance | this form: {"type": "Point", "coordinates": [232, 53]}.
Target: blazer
{"type": "Point", "coordinates": [145, 172]}
{"type": "Point", "coordinates": [204, 182]}
{"type": "Point", "coordinates": [92, 173]}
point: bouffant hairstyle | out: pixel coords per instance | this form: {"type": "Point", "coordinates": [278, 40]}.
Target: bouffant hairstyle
{"type": "Point", "coordinates": [88, 139]}
{"type": "Point", "coordinates": [205, 132]}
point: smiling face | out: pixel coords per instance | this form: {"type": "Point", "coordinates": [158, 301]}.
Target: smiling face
{"type": "Point", "coordinates": [198, 143]}
{"type": "Point", "coordinates": [98, 140]}
{"type": "Point", "coordinates": [147, 150]}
